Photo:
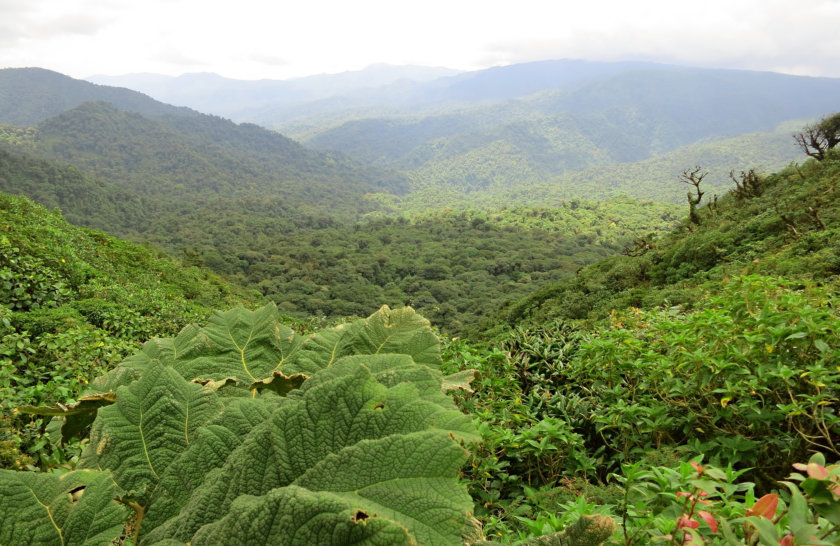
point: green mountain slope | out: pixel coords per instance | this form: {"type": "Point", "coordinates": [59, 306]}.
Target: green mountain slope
{"type": "Point", "coordinates": [84, 200]}
{"type": "Point", "coordinates": [202, 158]}
{"type": "Point", "coordinates": [590, 137]}
{"type": "Point", "coordinates": [627, 116]}
{"type": "Point", "coordinates": [30, 95]}
{"type": "Point", "coordinates": [789, 225]}
{"type": "Point", "coordinates": [74, 302]}
{"type": "Point", "coordinates": [500, 173]}
{"type": "Point", "coordinates": [160, 152]}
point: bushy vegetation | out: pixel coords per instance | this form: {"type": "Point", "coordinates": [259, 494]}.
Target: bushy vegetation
{"type": "Point", "coordinates": [73, 303]}
{"type": "Point", "coordinates": [675, 389]}
{"type": "Point", "coordinates": [455, 267]}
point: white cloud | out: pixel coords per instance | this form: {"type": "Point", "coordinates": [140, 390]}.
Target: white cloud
{"type": "Point", "coordinates": [256, 39]}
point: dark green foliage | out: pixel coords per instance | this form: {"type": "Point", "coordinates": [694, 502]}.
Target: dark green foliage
{"type": "Point", "coordinates": [83, 200]}
{"type": "Point", "coordinates": [45, 320]}
{"type": "Point", "coordinates": [456, 267]}
{"type": "Point", "coordinates": [202, 160]}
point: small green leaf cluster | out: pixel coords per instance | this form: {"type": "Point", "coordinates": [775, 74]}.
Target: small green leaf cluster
{"type": "Point", "coordinates": [703, 504]}
{"type": "Point", "coordinates": [26, 283]}
{"type": "Point", "coordinates": [756, 363]}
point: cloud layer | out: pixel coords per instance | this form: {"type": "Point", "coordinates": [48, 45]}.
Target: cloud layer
{"type": "Point", "coordinates": [253, 39]}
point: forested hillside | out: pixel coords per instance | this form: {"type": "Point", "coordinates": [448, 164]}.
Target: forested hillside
{"type": "Point", "coordinates": [30, 95]}
{"type": "Point", "coordinates": [536, 133]}
{"type": "Point", "coordinates": [83, 199]}
{"type": "Point", "coordinates": [593, 132]}
{"type": "Point", "coordinates": [716, 343]}
{"type": "Point", "coordinates": [73, 303]}
{"type": "Point", "coordinates": [456, 268]}
{"type": "Point", "coordinates": [200, 159]}
{"type": "Point", "coordinates": [304, 228]}
{"type": "Point", "coordinates": [699, 366]}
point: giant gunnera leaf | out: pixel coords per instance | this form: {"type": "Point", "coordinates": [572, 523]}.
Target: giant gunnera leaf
{"type": "Point", "coordinates": [77, 508]}
{"type": "Point", "coordinates": [243, 432]}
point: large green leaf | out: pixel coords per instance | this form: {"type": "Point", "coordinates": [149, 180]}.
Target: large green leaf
{"type": "Point", "coordinates": [245, 345]}
{"type": "Point", "coordinates": [345, 436]}
{"type": "Point", "coordinates": [293, 516]}
{"type": "Point", "coordinates": [150, 425]}
{"type": "Point", "coordinates": [209, 449]}
{"type": "Point", "coordinates": [398, 331]}
{"type": "Point", "coordinates": [76, 508]}
{"type": "Point", "coordinates": [375, 449]}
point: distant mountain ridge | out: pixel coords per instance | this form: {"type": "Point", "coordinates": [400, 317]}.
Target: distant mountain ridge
{"type": "Point", "coordinates": [161, 152]}
{"type": "Point", "coordinates": [30, 95]}
{"type": "Point", "coordinates": [214, 94]}
{"type": "Point", "coordinates": [555, 128]}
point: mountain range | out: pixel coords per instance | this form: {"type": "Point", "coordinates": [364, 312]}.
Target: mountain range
{"type": "Point", "coordinates": [296, 220]}
{"type": "Point", "coordinates": [488, 136]}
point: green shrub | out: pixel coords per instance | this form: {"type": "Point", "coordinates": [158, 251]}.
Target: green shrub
{"type": "Point", "coordinates": [46, 320]}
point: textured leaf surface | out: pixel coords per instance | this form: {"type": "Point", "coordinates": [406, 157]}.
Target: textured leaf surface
{"type": "Point", "coordinates": [68, 509]}
{"type": "Point", "coordinates": [243, 432]}
{"type": "Point", "coordinates": [151, 424]}
{"type": "Point", "coordinates": [373, 448]}
{"type": "Point", "coordinates": [246, 345]}
{"type": "Point", "coordinates": [292, 516]}
{"type": "Point", "coordinates": [208, 451]}
{"type": "Point", "coordinates": [397, 331]}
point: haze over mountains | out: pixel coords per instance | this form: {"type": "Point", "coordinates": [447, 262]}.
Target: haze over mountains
{"type": "Point", "coordinates": [509, 131]}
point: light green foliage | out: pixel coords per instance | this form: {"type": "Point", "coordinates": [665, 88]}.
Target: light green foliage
{"type": "Point", "coordinates": [77, 508]}
{"type": "Point", "coordinates": [787, 226]}
{"type": "Point", "coordinates": [364, 446]}
{"type": "Point", "coordinates": [710, 505]}
{"type": "Point", "coordinates": [586, 531]}
{"type": "Point", "coordinates": [755, 362]}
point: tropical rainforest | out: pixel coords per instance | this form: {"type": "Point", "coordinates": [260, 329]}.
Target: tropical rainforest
{"type": "Point", "coordinates": [559, 303]}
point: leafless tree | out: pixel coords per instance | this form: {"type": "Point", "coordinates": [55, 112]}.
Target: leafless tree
{"type": "Point", "coordinates": [693, 177]}
{"type": "Point", "coordinates": [817, 139]}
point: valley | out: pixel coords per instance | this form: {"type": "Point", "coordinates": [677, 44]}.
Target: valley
{"type": "Point", "coordinates": [502, 260]}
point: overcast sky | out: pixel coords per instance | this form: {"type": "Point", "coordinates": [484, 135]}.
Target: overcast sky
{"type": "Point", "coordinates": [251, 39]}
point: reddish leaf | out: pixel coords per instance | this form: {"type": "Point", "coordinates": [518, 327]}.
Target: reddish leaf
{"type": "Point", "coordinates": [765, 506]}
{"type": "Point", "coordinates": [787, 540]}
{"type": "Point", "coordinates": [685, 521]}
{"type": "Point", "coordinates": [817, 471]}
{"type": "Point", "coordinates": [709, 519]}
